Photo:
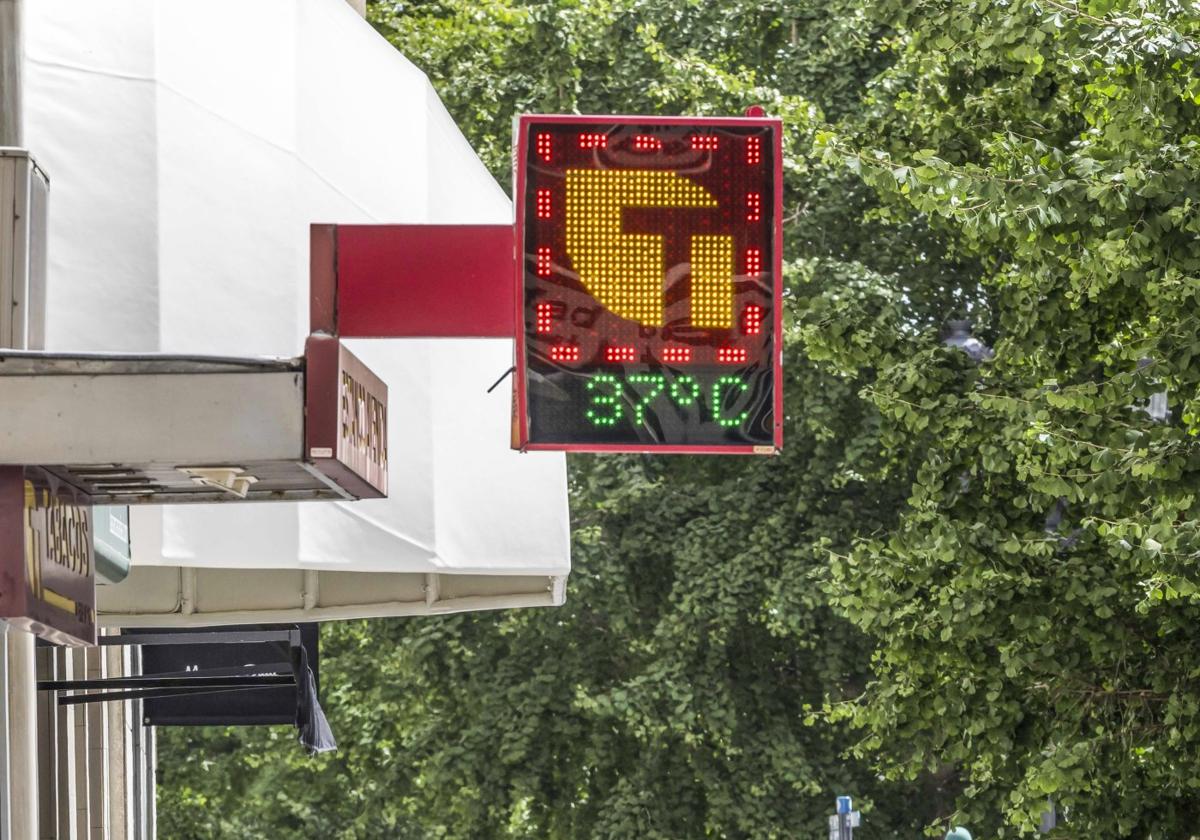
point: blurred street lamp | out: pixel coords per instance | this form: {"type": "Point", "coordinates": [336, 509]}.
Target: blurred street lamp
{"type": "Point", "coordinates": [1157, 408]}
{"type": "Point", "coordinates": [960, 337]}
{"type": "Point", "coordinates": [843, 823]}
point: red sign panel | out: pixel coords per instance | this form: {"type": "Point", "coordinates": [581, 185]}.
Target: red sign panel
{"type": "Point", "coordinates": [648, 305]}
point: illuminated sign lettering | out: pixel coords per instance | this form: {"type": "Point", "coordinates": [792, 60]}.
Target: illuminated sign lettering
{"type": "Point", "coordinates": [346, 410]}
{"type": "Point", "coordinates": [47, 559]}
{"type": "Point", "coordinates": [649, 288]}
{"type": "Point", "coordinates": [364, 423]}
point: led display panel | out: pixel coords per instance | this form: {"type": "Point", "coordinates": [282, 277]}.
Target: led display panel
{"type": "Point", "coordinates": [648, 284]}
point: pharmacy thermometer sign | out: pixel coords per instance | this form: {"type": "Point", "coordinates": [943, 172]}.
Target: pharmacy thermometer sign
{"type": "Point", "coordinates": [648, 284]}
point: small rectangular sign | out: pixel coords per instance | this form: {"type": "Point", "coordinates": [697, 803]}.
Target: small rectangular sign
{"type": "Point", "coordinates": [241, 707]}
{"type": "Point", "coordinates": [47, 560]}
{"type": "Point", "coordinates": [345, 429]}
{"type": "Point", "coordinates": [649, 284]}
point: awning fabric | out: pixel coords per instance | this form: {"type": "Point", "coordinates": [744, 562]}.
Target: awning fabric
{"type": "Point", "coordinates": [189, 147]}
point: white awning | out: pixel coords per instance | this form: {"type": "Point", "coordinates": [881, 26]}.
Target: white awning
{"type": "Point", "coordinates": [189, 147]}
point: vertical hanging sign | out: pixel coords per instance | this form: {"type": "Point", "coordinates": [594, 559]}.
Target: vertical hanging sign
{"type": "Point", "coordinates": [345, 428]}
{"type": "Point", "coordinates": [47, 563]}
{"type": "Point", "coordinates": [648, 284]}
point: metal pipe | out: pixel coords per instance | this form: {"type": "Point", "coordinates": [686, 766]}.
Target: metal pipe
{"type": "Point", "coordinates": [21, 676]}
{"type": "Point", "coordinates": [152, 693]}
{"type": "Point", "coordinates": [156, 681]}
{"type": "Point", "coordinates": [216, 637]}
{"type": "Point", "coordinates": [22, 770]}
{"type": "Point", "coordinates": [11, 128]}
{"type": "Point", "coordinates": [22, 745]}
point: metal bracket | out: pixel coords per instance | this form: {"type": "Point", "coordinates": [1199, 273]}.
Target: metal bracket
{"type": "Point", "coordinates": [233, 479]}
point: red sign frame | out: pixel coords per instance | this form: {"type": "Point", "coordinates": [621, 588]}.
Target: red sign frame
{"type": "Point", "coordinates": [521, 438]}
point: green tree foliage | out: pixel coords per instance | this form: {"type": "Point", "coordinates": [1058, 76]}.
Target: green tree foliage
{"type": "Point", "coordinates": [1036, 606]}
{"type": "Point", "coordinates": [679, 693]}
{"type": "Point", "coordinates": [1012, 540]}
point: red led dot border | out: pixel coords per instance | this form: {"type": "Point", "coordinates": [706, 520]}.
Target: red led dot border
{"type": "Point", "coordinates": [753, 151]}
{"type": "Point", "coordinates": [753, 207]}
{"type": "Point", "coordinates": [752, 320]}
{"type": "Point", "coordinates": [753, 261]}
{"type": "Point", "coordinates": [564, 353]}
{"type": "Point", "coordinates": [545, 317]}
{"type": "Point", "coordinates": [620, 353]}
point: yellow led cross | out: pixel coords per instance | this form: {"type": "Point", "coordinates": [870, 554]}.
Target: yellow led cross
{"type": "Point", "coordinates": [624, 271]}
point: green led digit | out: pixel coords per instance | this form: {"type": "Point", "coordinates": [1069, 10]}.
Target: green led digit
{"type": "Point", "coordinates": [610, 401]}
{"type": "Point", "coordinates": [685, 390]}
{"type": "Point", "coordinates": [657, 382]}
{"type": "Point", "coordinates": [717, 388]}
